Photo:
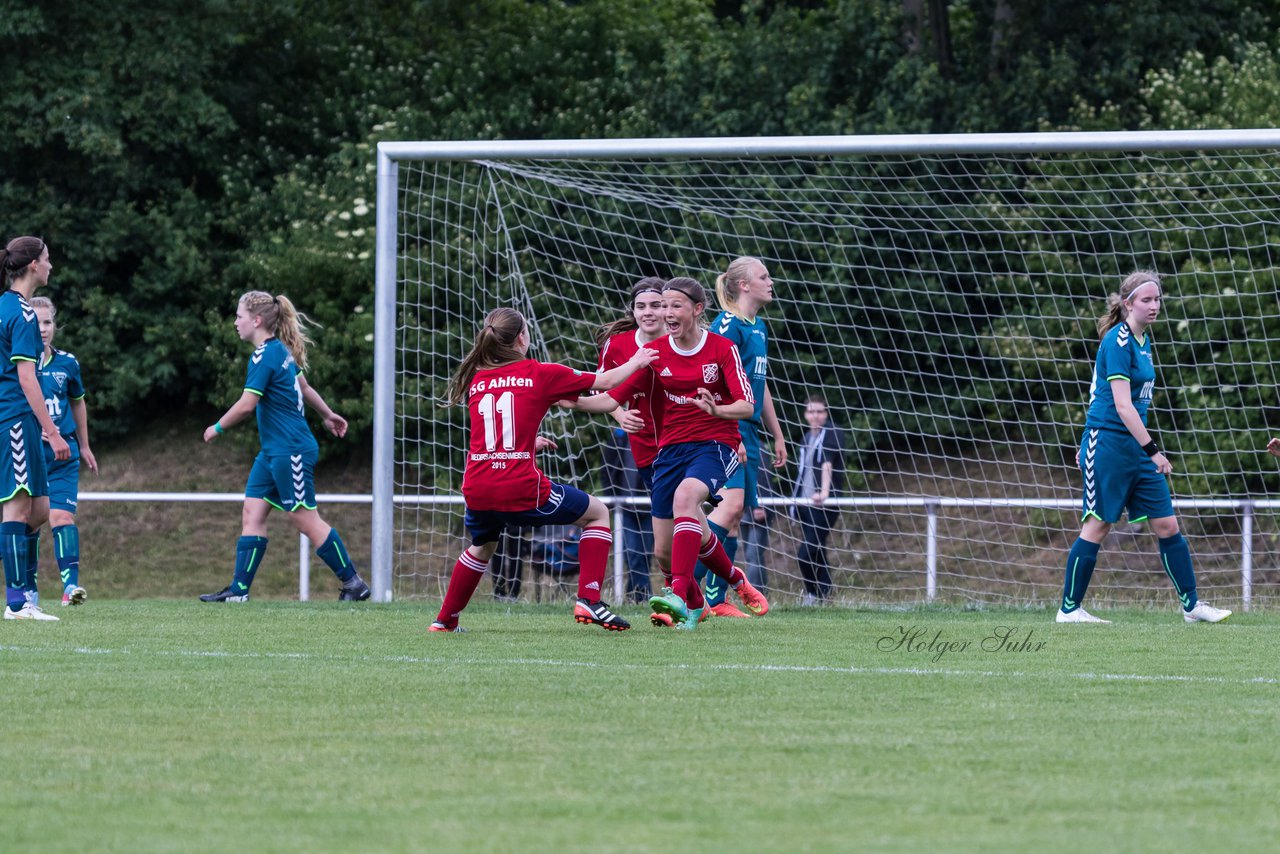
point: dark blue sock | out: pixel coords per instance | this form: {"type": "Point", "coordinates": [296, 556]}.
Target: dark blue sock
{"type": "Point", "coordinates": [66, 548]}
{"type": "Point", "coordinates": [249, 554]}
{"type": "Point", "coordinates": [1080, 562]}
{"type": "Point", "coordinates": [33, 560]}
{"type": "Point", "coordinates": [334, 554]}
{"type": "Point", "coordinates": [721, 586]}
{"type": "Point", "coordinates": [1175, 557]}
{"type": "Point", "coordinates": [717, 589]}
{"type": "Point", "coordinates": [13, 553]}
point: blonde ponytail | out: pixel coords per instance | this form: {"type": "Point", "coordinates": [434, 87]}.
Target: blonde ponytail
{"type": "Point", "coordinates": [283, 320]}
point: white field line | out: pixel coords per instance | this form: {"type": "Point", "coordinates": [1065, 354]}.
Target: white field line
{"type": "Point", "coordinates": [568, 663]}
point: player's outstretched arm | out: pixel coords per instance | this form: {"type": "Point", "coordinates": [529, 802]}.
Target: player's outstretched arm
{"type": "Point", "coordinates": [615, 377]}
{"type": "Point", "coordinates": [596, 404]}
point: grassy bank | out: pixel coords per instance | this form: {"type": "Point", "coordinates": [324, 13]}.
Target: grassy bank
{"type": "Point", "coordinates": [144, 550]}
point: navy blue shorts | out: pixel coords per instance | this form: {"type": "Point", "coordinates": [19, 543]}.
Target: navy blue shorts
{"type": "Point", "coordinates": [1119, 476]}
{"type": "Point", "coordinates": [285, 481]}
{"type": "Point", "coordinates": [713, 463]}
{"type": "Point", "coordinates": [565, 506]}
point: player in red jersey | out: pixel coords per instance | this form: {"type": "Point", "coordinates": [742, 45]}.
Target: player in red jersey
{"type": "Point", "coordinates": [644, 323]}
{"type": "Point", "coordinates": [507, 394]}
{"type": "Point", "coordinates": [702, 393]}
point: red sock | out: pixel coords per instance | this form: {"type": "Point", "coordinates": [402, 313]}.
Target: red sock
{"type": "Point", "coordinates": [716, 559]}
{"type": "Point", "coordinates": [593, 556]}
{"type": "Point", "coordinates": [695, 599]}
{"type": "Point", "coordinates": [466, 576]}
{"type": "Point", "coordinates": [685, 540]}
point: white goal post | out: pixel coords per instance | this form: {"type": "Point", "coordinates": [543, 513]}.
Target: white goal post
{"type": "Point", "coordinates": [940, 292]}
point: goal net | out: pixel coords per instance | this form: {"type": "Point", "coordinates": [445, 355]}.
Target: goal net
{"type": "Point", "coordinates": [941, 293]}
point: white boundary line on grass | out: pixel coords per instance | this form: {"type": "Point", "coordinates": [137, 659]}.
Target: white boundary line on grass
{"type": "Point", "coordinates": [755, 668]}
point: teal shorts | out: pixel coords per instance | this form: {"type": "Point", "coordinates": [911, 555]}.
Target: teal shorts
{"type": "Point", "coordinates": [1119, 477]}
{"type": "Point", "coordinates": [64, 478]}
{"type": "Point", "coordinates": [22, 459]}
{"type": "Point", "coordinates": [285, 481]}
{"type": "Point", "coordinates": [747, 474]}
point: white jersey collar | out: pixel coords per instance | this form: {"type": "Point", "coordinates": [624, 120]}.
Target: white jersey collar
{"type": "Point", "coordinates": [691, 352]}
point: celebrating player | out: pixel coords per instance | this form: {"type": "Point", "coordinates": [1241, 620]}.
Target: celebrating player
{"type": "Point", "coordinates": [644, 324]}
{"type": "Point", "coordinates": [25, 266]}
{"type": "Point", "coordinates": [743, 289]}
{"type": "Point", "coordinates": [704, 390]}
{"type": "Point", "coordinates": [283, 474]}
{"type": "Point", "coordinates": [64, 399]}
{"type": "Point", "coordinates": [1122, 465]}
{"type": "Point", "coordinates": [507, 394]}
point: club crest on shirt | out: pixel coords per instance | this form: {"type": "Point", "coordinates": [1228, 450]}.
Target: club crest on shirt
{"type": "Point", "coordinates": [710, 373]}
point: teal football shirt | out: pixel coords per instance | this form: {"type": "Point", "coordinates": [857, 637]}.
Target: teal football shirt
{"type": "Point", "coordinates": [273, 376]}
{"type": "Point", "coordinates": [1121, 356]}
{"type": "Point", "coordinates": [751, 337]}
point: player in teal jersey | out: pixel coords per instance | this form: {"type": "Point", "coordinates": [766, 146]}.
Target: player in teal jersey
{"type": "Point", "coordinates": [64, 394]}
{"type": "Point", "coordinates": [24, 485]}
{"type": "Point", "coordinates": [743, 289]}
{"type": "Point", "coordinates": [283, 475]}
{"type": "Point", "coordinates": [1122, 466]}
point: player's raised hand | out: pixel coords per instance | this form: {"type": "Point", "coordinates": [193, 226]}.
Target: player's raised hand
{"type": "Point", "coordinates": [1273, 447]}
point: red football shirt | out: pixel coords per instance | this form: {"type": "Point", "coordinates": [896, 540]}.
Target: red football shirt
{"type": "Point", "coordinates": [617, 351]}
{"type": "Point", "coordinates": [712, 364]}
{"type": "Point", "coordinates": [506, 406]}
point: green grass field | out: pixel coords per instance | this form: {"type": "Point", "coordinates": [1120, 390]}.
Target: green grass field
{"type": "Point", "coordinates": [276, 726]}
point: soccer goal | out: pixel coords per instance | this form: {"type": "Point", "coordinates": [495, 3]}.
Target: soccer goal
{"type": "Point", "coordinates": [940, 292]}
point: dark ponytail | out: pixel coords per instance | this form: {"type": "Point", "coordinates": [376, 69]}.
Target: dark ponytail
{"type": "Point", "coordinates": [495, 345]}
{"type": "Point", "coordinates": [17, 255]}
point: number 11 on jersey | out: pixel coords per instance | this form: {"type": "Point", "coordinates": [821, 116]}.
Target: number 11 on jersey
{"type": "Point", "coordinates": [491, 408]}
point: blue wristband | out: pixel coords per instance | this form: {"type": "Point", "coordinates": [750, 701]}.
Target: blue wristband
{"type": "Point", "coordinates": [217, 428]}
